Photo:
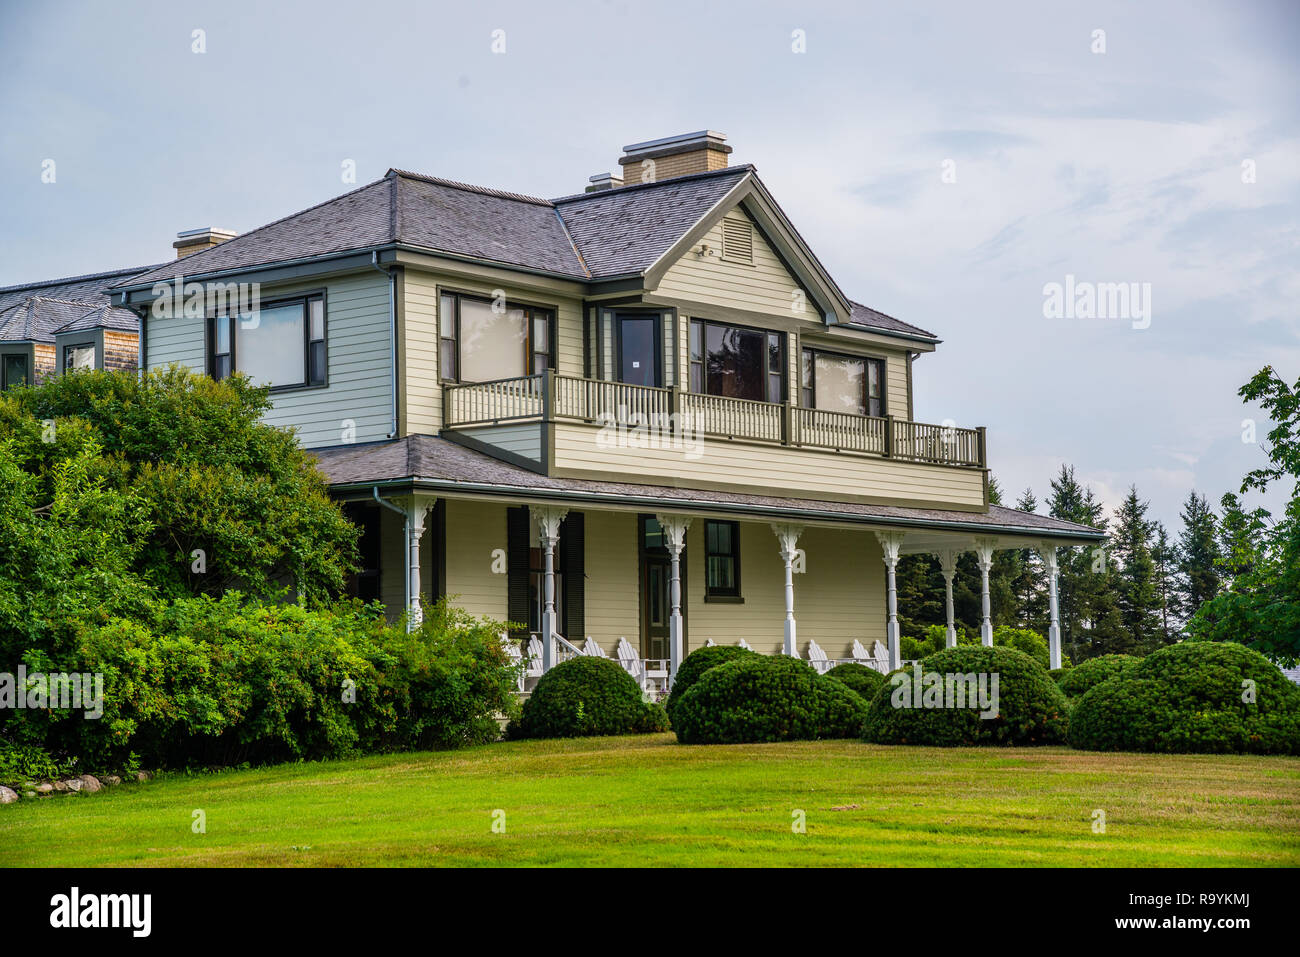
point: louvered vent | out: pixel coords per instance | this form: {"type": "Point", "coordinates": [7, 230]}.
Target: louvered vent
{"type": "Point", "coordinates": [737, 241]}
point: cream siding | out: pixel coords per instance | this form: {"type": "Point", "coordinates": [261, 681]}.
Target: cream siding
{"type": "Point", "coordinates": [613, 606]}
{"type": "Point", "coordinates": [475, 530]}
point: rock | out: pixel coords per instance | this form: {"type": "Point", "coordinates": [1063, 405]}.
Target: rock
{"type": "Point", "coordinates": [45, 787]}
{"type": "Point", "coordinates": [142, 775]}
{"type": "Point", "coordinates": [89, 783]}
{"type": "Point", "coordinates": [112, 779]}
{"type": "Point", "coordinates": [29, 794]}
{"type": "Point", "coordinates": [8, 795]}
{"type": "Point", "coordinates": [60, 786]}
{"type": "Point", "coordinates": [72, 784]}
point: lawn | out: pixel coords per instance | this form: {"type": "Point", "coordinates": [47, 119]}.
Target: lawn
{"type": "Point", "coordinates": [648, 801]}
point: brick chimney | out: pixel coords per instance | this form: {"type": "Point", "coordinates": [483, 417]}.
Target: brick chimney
{"type": "Point", "coordinates": [196, 240]}
{"type": "Point", "coordinates": [674, 156]}
{"type": "Point", "coordinates": [603, 181]}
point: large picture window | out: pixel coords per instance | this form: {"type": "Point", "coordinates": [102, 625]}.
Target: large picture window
{"type": "Point", "coordinates": [737, 362]}
{"type": "Point", "coordinates": [281, 346]}
{"type": "Point", "coordinates": [842, 383]}
{"type": "Point", "coordinates": [480, 342]}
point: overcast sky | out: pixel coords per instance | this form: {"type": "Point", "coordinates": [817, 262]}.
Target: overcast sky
{"type": "Point", "coordinates": [1122, 166]}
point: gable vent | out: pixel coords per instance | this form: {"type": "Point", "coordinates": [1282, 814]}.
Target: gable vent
{"type": "Point", "coordinates": [737, 241]}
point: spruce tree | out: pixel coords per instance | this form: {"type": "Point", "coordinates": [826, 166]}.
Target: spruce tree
{"type": "Point", "coordinates": [1135, 578]}
{"type": "Point", "coordinates": [1199, 576]}
{"type": "Point", "coordinates": [1165, 556]}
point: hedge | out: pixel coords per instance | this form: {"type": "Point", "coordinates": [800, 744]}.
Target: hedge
{"type": "Point", "coordinates": [1094, 671]}
{"type": "Point", "coordinates": [587, 696]}
{"type": "Point", "coordinates": [696, 664]}
{"type": "Point", "coordinates": [865, 681]}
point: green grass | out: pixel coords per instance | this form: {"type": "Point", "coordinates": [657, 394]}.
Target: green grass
{"type": "Point", "coordinates": [649, 801]}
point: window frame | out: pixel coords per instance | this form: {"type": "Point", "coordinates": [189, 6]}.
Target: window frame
{"type": "Point", "coordinates": [658, 316]}
{"type": "Point", "coordinates": [733, 595]}
{"type": "Point", "coordinates": [530, 353]}
{"type": "Point", "coordinates": [68, 346]}
{"type": "Point", "coordinates": [810, 400]}
{"type": "Point", "coordinates": [306, 298]}
{"type": "Point", "coordinates": [28, 362]}
{"type": "Point", "coordinates": [782, 339]}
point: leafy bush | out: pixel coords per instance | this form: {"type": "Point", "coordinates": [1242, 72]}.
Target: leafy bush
{"type": "Point", "coordinates": [1193, 697]}
{"type": "Point", "coordinates": [865, 681]}
{"type": "Point", "coordinates": [1030, 707]}
{"type": "Point", "coordinates": [587, 696]}
{"type": "Point", "coordinates": [696, 664]}
{"type": "Point", "coordinates": [1094, 671]}
{"type": "Point", "coordinates": [218, 682]}
{"type": "Point", "coordinates": [765, 698]}
{"type": "Point", "coordinates": [22, 763]}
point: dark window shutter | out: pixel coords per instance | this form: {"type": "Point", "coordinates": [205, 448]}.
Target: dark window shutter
{"type": "Point", "coordinates": [572, 547]}
{"type": "Point", "coordinates": [518, 535]}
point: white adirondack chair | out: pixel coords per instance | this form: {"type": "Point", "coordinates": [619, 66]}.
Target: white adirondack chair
{"type": "Point", "coordinates": [627, 657]}
{"type": "Point", "coordinates": [592, 648]}
{"type": "Point", "coordinates": [860, 653]}
{"type": "Point", "coordinates": [817, 658]}
{"type": "Point", "coordinates": [881, 655]}
{"type": "Point", "coordinates": [744, 644]}
{"type": "Point", "coordinates": [534, 657]}
{"type": "Point", "coordinates": [515, 656]}
{"type": "Point", "coordinates": [709, 643]}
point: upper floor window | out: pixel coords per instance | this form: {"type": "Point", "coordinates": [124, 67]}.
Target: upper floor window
{"type": "Point", "coordinates": [282, 345]}
{"type": "Point", "coordinates": [13, 371]}
{"type": "Point", "coordinates": [842, 383]}
{"type": "Point", "coordinates": [80, 356]}
{"type": "Point", "coordinates": [480, 340]}
{"type": "Point", "coordinates": [737, 362]}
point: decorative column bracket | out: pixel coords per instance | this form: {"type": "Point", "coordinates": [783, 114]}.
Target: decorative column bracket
{"type": "Point", "coordinates": [417, 508]}
{"type": "Point", "coordinates": [546, 521]}
{"type": "Point", "coordinates": [984, 555]}
{"type": "Point", "coordinates": [948, 564]}
{"type": "Point", "coordinates": [788, 538]}
{"type": "Point", "coordinates": [674, 528]}
{"type": "Point", "coordinates": [891, 544]}
{"type": "Point", "coordinates": [1048, 554]}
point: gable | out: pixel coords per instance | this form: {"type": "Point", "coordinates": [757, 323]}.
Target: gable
{"type": "Point", "coordinates": [715, 271]}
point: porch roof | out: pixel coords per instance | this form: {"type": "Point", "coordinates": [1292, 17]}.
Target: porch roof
{"type": "Point", "coordinates": [436, 465]}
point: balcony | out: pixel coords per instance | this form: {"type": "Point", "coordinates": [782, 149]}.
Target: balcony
{"type": "Point", "coordinates": [553, 398]}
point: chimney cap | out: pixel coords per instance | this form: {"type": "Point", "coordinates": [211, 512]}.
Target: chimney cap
{"type": "Point", "coordinates": [700, 139]}
{"type": "Point", "coordinates": [604, 181]}
{"type": "Point", "coordinates": [214, 234]}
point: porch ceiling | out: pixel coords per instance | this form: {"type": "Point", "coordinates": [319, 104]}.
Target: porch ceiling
{"type": "Point", "coordinates": [435, 465]}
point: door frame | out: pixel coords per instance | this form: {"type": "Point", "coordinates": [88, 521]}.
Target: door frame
{"type": "Point", "coordinates": [658, 319]}
{"type": "Point", "coordinates": [642, 609]}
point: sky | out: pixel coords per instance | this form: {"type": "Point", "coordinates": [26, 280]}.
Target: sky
{"type": "Point", "coordinates": [947, 162]}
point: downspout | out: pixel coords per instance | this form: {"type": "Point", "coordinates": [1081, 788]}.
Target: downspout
{"type": "Point", "coordinates": [392, 338]}
{"type": "Point", "coordinates": [406, 534]}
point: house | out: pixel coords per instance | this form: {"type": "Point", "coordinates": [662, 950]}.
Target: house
{"type": "Point", "coordinates": [63, 325]}
{"type": "Point", "coordinates": [642, 415]}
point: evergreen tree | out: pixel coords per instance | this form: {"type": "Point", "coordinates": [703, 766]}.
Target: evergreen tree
{"type": "Point", "coordinates": [1135, 581]}
{"type": "Point", "coordinates": [1199, 574]}
{"type": "Point", "coordinates": [1077, 586]}
{"type": "Point", "coordinates": [1165, 556]}
{"type": "Point", "coordinates": [1029, 586]}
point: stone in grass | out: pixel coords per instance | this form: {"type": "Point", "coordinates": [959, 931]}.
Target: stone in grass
{"type": "Point", "coordinates": [8, 795]}
{"type": "Point", "coordinates": [45, 787]}
{"type": "Point", "coordinates": [89, 783]}
{"type": "Point", "coordinates": [71, 784]}
{"type": "Point", "coordinates": [59, 786]}
{"type": "Point", "coordinates": [142, 775]}
{"type": "Point", "coordinates": [112, 779]}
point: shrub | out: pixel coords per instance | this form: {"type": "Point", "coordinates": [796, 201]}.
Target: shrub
{"type": "Point", "coordinates": [22, 763]}
{"type": "Point", "coordinates": [1030, 707]}
{"type": "Point", "coordinates": [696, 664]}
{"type": "Point", "coordinates": [587, 696]}
{"type": "Point", "coordinates": [1192, 697]}
{"type": "Point", "coordinates": [765, 698]}
{"type": "Point", "coordinates": [865, 681]}
{"type": "Point", "coordinates": [1094, 671]}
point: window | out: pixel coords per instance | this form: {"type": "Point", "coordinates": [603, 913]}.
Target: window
{"type": "Point", "coordinates": [13, 371]}
{"type": "Point", "coordinates": [79, 357]}
{"type": "Point", "coordinates": [282, 346]}
{"type": "Point", "coordinates": [722, 559]}
{"type": "Point", "coordinates": [737, 362]}
{"type": "Point", "coordinates": [842, 383]}
{"type": "Point", "coordinates": [479, 341]}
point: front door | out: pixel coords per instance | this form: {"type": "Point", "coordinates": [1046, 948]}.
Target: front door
{"type": "Point", "coordinates": [638, 349]}
{"type": "Point", "coordinates": [656, 594]}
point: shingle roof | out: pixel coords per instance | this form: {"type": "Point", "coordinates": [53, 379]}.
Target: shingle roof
{"type": "Point", "coordinates": [41, 318]}
{"type": "Point", "coordinates": [91, 288]}
{"type": "Point", "coordinates": [874, 319]}
{"type": "Point", "coordinates": [625, 230]}
{"type": "Point", "coordinates": [435, 459]}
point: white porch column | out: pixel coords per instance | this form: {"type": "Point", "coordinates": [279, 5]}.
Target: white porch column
{"type": "Point", "coordinates": [417, 509]}
{"type": "Point", "coordinates": [891, 543]}
{"type": "Point", "coordinates": [674, 528]}
{"type": "Point", "coordinates": [1048, 554]}
{"type": "Point", "coordinates": [948, 563]}
{"type": "Point", "coordinates": [788, 537]}
{"type": "Point", "coordinates": [984, 553]}
{"type": "Point", "coordinates": [547, 520]}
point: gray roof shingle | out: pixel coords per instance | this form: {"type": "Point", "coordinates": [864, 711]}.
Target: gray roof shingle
{"type": "Point", "coordinates": [41, 318]}
{"type": "Point", "coordinates": [437, 459]}
{"type": "Point", "coordinates": [91, 288]}
{"type": "Point", "coordinates": [874, 319]}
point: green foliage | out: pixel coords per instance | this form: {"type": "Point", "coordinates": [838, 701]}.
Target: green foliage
{"type": "Point", "coordinates": [1022, 639]}
{"type": "Point", "coordinates": [1192, 697]}
{"type": "Point", "coordinates": [1030, 709]}
{"type": "Point", "coordinates": [865, 681]}
{"type": "Point", "coordinates": [20, 763]}
{"type": "Point", "coordinates": [587, 696]}
{"type": "Point", "coordinates": [766, 698]}
{"type": "Point", "coordinates": [1092, 672]}
{"type": "Point", "coordinates": [201, 682]}
{"type": "Point", "coordinates": [696, 664]}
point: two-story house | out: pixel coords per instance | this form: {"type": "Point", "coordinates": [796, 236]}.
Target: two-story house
{"type": "Point", "coordinates": [639, 416]}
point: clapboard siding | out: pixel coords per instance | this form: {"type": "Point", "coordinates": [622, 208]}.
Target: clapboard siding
{"type": "Point", "coordinates": [523, 440]}
{"type": "Point", "coordinates": [475, 530]}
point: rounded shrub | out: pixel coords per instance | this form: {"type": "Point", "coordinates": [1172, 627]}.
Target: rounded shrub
{"type": "Point", "coordinates": [696, 664]}
{"type": "Point", "coordinates": [865, 681]}
{"type": "Point", "coordinates": [765, 698]}
{"type": "Point", "coordinates": [1028, 708]}
{"type": "Point", "coordinates": [1075, 681]}
{"type": "Point", "coordinates": [587, 696]}
{"type": "Point", "coordinates": [1193, 697]}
